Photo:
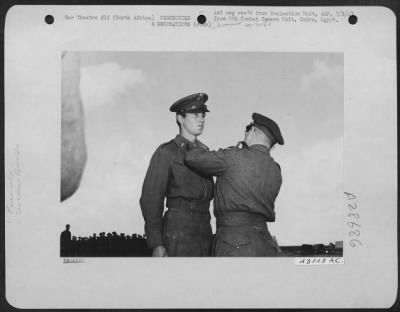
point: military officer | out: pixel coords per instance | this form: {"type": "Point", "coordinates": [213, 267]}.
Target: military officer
{"type": "Point", "coordinates": [248, 182]}
{"type": "Point", "coordinates": [185, 229]}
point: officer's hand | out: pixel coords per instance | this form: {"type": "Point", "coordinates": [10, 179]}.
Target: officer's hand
{"type": "Point", "coordinates": [242, 144]}
{"type": "Point", "coordinates": [160, 251]}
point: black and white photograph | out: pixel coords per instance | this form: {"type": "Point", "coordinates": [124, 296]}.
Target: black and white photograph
{"type": "Point", "coordinates": [190, 157]}
{"type": "Point", "coordinates": [193, 154]}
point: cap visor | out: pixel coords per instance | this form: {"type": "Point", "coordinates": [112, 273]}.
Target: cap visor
{"type": "Point", "coordinates": [197, 110]}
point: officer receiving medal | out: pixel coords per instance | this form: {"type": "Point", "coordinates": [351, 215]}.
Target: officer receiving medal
{"type": "Point", "coordinates": [184, 230]}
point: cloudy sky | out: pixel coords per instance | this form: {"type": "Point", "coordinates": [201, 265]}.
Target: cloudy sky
{"type": "Point", "coordinates": [126, 98]}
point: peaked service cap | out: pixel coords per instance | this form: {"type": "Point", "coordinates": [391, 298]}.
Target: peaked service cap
{"type": "Point", "coordinates": [191, 104]}
{"type": "Point", "coordinates": [267, 124]}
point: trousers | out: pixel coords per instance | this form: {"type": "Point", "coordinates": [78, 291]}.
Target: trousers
{"type": "Point", "coordinates": [243, 235]}
{"type": "Point", "coordinates": [187, 233]}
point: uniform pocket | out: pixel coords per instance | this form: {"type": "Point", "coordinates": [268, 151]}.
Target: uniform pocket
{"type": "Point", "coordinates": [181, 173]}
{"type": "Point", "coordinates": [244, 241]}
{"type": "Point", "coordinates": [228, 246]}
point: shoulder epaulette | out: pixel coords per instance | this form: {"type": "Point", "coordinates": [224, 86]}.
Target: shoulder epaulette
{"type": "Point", "coordinates": [166, 143]}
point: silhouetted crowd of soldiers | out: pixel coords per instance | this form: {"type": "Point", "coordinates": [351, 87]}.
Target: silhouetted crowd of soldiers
{"type": "Point", "coordinates": [121, 245]}
{"type": "Point", "coordinates": [103, 245]}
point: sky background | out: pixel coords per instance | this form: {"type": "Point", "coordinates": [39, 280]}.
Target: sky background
{"type": "Point", "coordinates": [126, 98]}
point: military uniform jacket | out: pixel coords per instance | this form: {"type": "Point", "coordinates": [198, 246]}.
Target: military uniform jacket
{"type": "Point", "coordinates": [169, 177]}
{"type": "Point", "coordinates": [248, 179]}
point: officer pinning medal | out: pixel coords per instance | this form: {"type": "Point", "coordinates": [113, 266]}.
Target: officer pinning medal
{"type": "Point", "coordinates": [248, 181]}
{"type": "Point", "coordinates": [181, 174]}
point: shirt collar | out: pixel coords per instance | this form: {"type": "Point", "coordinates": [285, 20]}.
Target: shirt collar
{"type": "Point", "coordinates": [181, 141]}
{"type": "Point", "coordinates": [260, 148]}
